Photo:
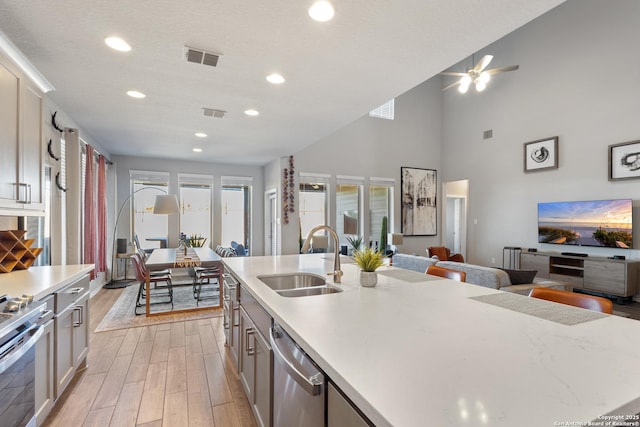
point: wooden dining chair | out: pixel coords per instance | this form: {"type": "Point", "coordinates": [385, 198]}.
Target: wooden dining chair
{"type": "Point", "coordinates": [589, 302]}
{"type": "Point", "coordinates": [141, 276]}
{"type": "Point", "coordinates": [447, 273]}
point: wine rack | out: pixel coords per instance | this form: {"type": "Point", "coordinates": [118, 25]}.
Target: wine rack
{"type": "Point", "coordinates": [16, 253]}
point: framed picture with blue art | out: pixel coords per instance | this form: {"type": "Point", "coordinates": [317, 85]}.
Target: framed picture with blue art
{"type": "Point", "coordinates": [541, 154]}
{"type": "Point", "coordinates": [624, 161]}
{"type": "Point", "coordinates": [418, 204]}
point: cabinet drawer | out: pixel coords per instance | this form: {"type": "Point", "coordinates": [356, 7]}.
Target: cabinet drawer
{"type": "Point", "coordinates": [66, 296]}
{"type": "Point", "coordinates": [258, 315]}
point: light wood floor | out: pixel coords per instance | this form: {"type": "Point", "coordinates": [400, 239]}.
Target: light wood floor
{"type": "Point", "coordinates": [174, 375]}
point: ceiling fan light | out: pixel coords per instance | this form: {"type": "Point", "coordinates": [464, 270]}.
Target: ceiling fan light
{"type": "Point", "coordinates": [484, 77]}
{"type": "Point", "coordinates": [463, 88]}
{"type": "Point", "coordinates": [480, 86]}
{"type": "Point", "coordinates": [465, 80]}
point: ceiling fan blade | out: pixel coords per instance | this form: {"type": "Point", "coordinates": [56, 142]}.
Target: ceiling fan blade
{"type": "Point", "coordinates": [451, 85]}
{"type": "Point", "coordinates": [502, 69]}
{"type": "Point", "coordinates": [483, 63]}
{"type": "Point", "coordinates": [446, 73]}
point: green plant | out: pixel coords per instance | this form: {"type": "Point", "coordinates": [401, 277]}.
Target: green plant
{"type": "Point", "coordinates": [368, 259]}
{"type": "Point", "coordinates": [355, 242]}
{"type": "Point", "coordinates": [196, 241]}
{"type": "Point", "coordinates": [383, 235]}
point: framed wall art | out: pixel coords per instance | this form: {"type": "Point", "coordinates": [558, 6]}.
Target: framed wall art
{"type": "Point", "coordinates": [541, 155]}
{"type": "Point", "coordinates": [418, 203]}
{"type": "Point", "coordinates": [624, 161]}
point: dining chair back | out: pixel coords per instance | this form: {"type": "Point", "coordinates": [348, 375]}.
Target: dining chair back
{"type": "Point", "coordinates": [447, 273]}
{"type": "Point", "coordinates": [141, 276]}
{"type": "Point", "coordinates": [589, 302]}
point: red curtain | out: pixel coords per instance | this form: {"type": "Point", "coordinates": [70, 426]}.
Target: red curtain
{"type": "Point", "coordinates": [101, 256]}
{"type": "Point", "coordinates": [89, 254]}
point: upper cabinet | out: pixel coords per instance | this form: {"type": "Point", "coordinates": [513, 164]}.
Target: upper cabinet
{"type": "Point", "coordinates": [21, 126]}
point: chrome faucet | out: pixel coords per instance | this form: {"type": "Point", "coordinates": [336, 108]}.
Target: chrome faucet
{"type": "Point", "coordinates": [337, 272]}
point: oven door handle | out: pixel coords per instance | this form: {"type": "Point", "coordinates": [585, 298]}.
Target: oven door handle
{"type": "Point", "coordinates": [13, 356]}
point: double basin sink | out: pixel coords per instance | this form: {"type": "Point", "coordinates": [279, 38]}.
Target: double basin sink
{"type": "Point", "coordinates": [298, 284]}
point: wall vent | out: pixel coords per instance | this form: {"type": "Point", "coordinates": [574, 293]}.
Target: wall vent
{"type": "Point", "coordinates": [488, 134]}
{"type": "Point", "coordinates": [211, 112]}
{"type": "Point", "coordinates": [199, 56]}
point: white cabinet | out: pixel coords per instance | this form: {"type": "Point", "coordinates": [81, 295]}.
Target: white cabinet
{"type": "Point", "coordinates": [255, 369]}
{"type": "Point", "coordinates": [21, 126]}
{"type": "Point", "coordinates": [71, 331]}
{"type": "Point", "coordinates": [44, 373]}
{"type": "Point", "coordinates": [340, 411]}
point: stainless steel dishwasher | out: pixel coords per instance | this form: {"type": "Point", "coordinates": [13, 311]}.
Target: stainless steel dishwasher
{"type": "Point", "coordinates": [298, 384]}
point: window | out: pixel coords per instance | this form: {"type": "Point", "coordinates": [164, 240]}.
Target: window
{"type": "Point", "coordinates": [236, 211]}
{"type": "Point", "coordinates": [348, 202]}
{"type": "Point", "coordinates": [385, 111]}
{"type": "Point", "coordinates": [195, 205]}
{"type": "Point", "coordinates": [380, 206]}
{"type": "Point", "coordinates": [313, 202]}
{"type": "Point", "coordinates": [150, 228]}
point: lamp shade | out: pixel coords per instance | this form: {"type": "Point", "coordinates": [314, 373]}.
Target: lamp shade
{"type": "Point", "coordinates": [166, 204]}
{"type": "Point", "coordinates": [395, 238]}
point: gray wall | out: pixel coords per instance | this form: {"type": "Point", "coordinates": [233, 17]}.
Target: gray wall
{"type": "Point", "coordinates": [371, 147]}
{"type": "Point", "coordinates": [125, 164]}
{"type": "Point", "coordinates": [578, 79]}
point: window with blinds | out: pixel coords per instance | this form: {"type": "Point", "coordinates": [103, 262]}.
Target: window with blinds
{"type": "Point", "coordinates": [313, 201]}
{"type": "Point", "coordinates": [145, 186]}
{"type": "Point", "coordinates": [380, 206]}
{"type": "Point", "coordinates": [236, 211]}
{"type": "Point", "coordinates": [196, 199]}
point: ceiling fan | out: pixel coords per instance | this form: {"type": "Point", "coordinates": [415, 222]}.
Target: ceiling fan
{"type": "Point", "coordinates": [477, 75]}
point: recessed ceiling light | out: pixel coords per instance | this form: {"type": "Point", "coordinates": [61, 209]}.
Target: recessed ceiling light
{"type": "Point", "coordinates": [321, 11]}
{"type": "Point", "coordinates": [251, 112]}
{"type": "Point", "coordinates": [197, 150]}
{"type": "Point", "coordinates": [200, 134]}
{"type": "Point", "coordinates": [275, 78]}
{"type": "Point", "coordinates": [118, 44]}
{"type": "Point", "coordinates": [136, 94]}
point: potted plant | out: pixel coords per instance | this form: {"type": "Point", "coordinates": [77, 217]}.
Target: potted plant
{"type": "Point", "coordinates": [368, 260]}
{"type": "Point", "coordinates": [355, 242]}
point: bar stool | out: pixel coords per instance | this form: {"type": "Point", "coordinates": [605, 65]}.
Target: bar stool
{"type": "Point", "coordinates": [206, 276]}
{"type": "Point", "coordinates": [141, 276]}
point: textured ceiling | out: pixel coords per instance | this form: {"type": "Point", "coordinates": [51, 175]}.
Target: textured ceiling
{"type": "Point", "coordinates": [372, 51]}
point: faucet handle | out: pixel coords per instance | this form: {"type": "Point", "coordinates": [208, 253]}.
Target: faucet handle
{"type": "Point", "coordinates": [336, 275]}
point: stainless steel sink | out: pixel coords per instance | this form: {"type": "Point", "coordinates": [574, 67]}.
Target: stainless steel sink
{"type": "Point", "coordinates": [305, 292]}
{"type": "Point", "coordinates": [279, 282]}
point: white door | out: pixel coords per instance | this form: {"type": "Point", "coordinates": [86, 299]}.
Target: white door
{"type": "Point", "coordinates": [271, 226]}
{"type": "Point", "coordinates": [455, 226]}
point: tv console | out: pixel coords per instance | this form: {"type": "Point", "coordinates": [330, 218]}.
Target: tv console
{"type": "Point", "coordinates": [612, 277]}
{"type": "Point", "coordinates": [574, 254]}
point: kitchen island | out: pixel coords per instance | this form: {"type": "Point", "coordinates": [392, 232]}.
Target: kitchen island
{"type": "Point", "coordinates": [420, 350]}
{"type": "Point", "coordinates": [41, 281]}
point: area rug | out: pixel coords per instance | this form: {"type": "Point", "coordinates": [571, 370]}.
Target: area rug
{"type": "Point", "coordinates": [122, 313]}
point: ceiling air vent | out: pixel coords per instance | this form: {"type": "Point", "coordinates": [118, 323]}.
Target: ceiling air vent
{"type": "Point", "coordinates": [210, 112]}
{"type": "Point", "coordinates": [200, 56]}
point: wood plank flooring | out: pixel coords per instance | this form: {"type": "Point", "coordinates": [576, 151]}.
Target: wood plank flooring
{"type": "Point", "coordinates": [175, 374]}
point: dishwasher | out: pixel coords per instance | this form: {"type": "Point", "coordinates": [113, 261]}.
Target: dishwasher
{"type": "Point", "coordinates": [298, 384]}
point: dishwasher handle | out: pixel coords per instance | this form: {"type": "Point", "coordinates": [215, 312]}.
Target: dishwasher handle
{"type": "Point", "coordinates": [312, 384]}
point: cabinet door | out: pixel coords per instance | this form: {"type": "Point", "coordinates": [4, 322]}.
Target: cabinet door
{"type": "Point", "coordinates": [64, 331]}
{"type": "Point", "coordinates": [604, 276]}
{"type": "Point", "coordinates": [540, 263]}
{"type": "Point", "coordinates": [247, 350]}
{"type": "Point", "coordinates": [9, 86]}
{"type": "Point", "coordinates": [340, 412]}
{"type": "Point", "coordinates": [235, 332]}
{"type": "Point", "coordinates": [262, 382]}
{"type": "Point", "coordinates": [81, 331]}
{"type": "Point", "coordinates": [44, 373]}
{"type": "Point", "coordinates": [31, 173]}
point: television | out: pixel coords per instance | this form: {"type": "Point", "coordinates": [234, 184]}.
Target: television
{"type": "Point", "coordinates": [604, 223]}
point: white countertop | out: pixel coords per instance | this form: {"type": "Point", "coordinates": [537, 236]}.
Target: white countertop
{"type": "Point", "coordinates": [410, 354]}
{"type": "Point", "coordinates": [41, 281]}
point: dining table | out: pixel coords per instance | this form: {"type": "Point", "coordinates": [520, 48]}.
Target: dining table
{"type": "Point", "coordinates": [171, 258]}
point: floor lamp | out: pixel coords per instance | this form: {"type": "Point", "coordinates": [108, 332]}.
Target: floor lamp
{"type": "Point", "coordinates": [166, 204]}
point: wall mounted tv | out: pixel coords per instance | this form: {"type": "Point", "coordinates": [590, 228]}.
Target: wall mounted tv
{"type": "Point", "coordinates": [604, 223]}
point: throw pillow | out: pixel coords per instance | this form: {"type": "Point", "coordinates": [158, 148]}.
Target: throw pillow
{"type": "Point", "coordinates": [521, 277]}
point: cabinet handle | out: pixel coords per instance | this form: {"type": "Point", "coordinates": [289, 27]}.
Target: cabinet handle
{"type": "Point", "coordinates": [29, 192]}
{"type": "Point", "coordinates": [75, 291]}
{"type": "Point", "coordinates": [79, 321]}
{"type": "Point", "coordinates": [250, 350]}
{"type": "Point", "coordinates": [19, 198]}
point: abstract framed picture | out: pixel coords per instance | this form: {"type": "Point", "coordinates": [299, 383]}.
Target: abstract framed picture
{"type": "Point", "coordinates": [419, 206]}
{"type": "Point", "coordinates": [624, 161]}
{"type": "Point", "coordinates": [541, 155]}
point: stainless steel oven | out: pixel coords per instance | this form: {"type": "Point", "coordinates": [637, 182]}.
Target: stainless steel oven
{"type": "Point", "coordinates": [19, 332]}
